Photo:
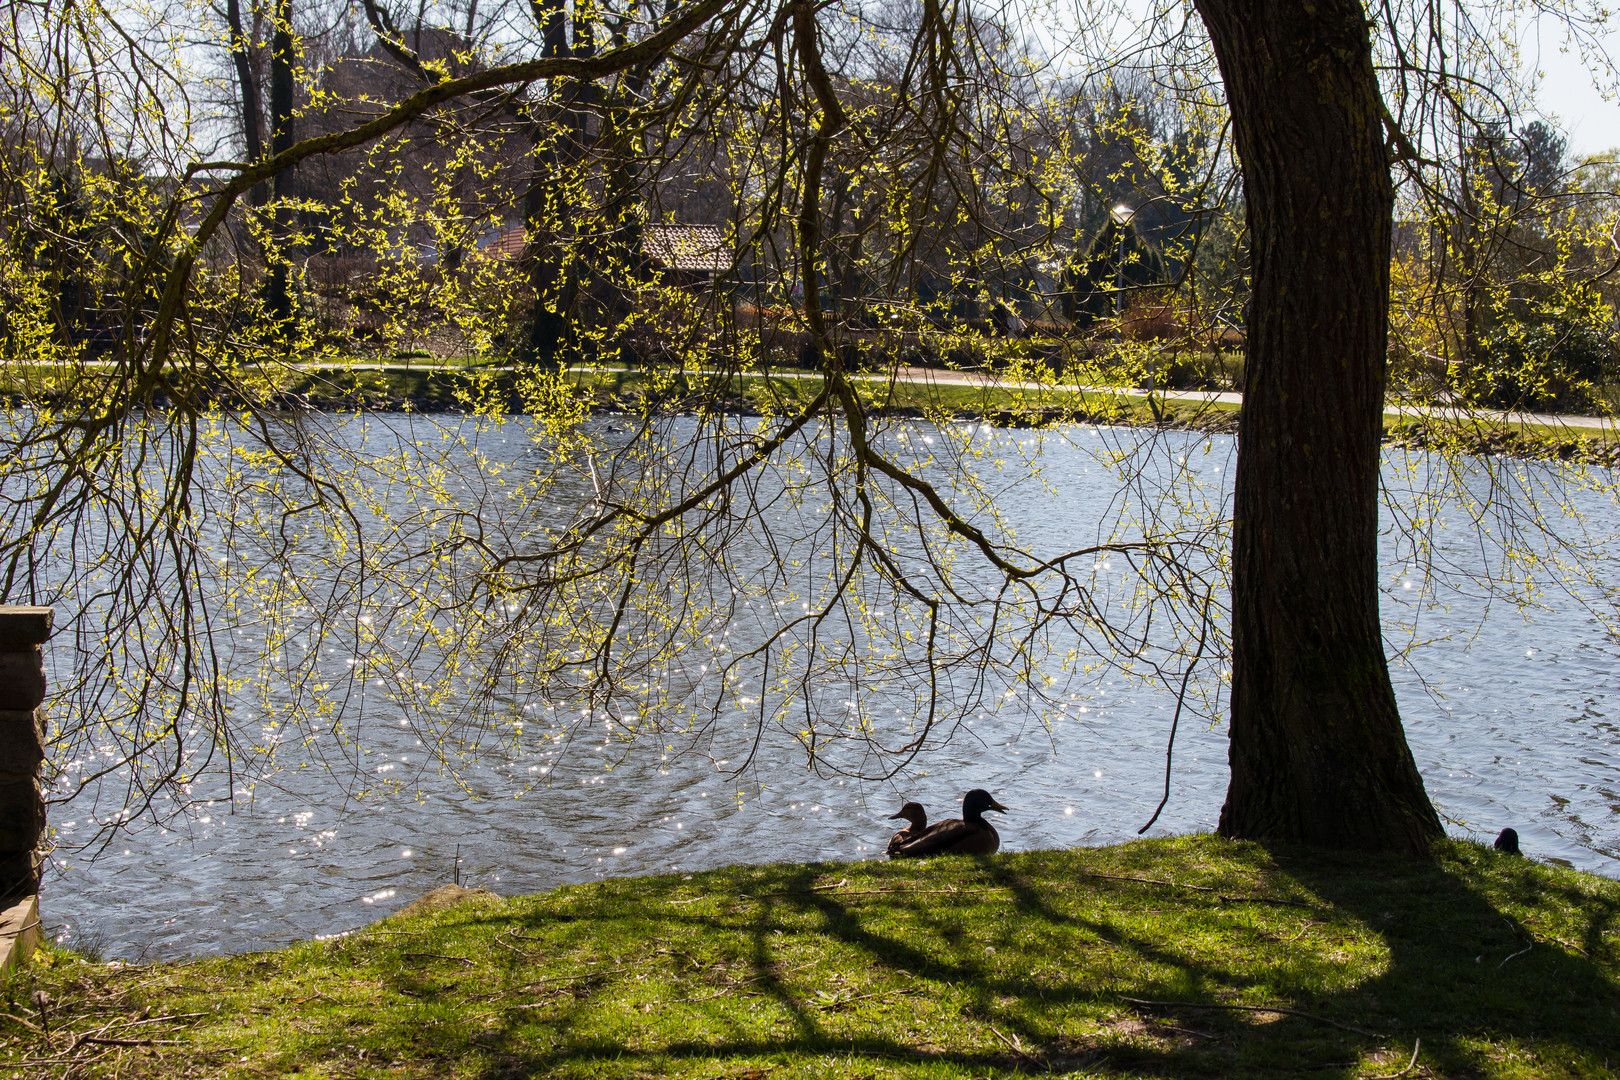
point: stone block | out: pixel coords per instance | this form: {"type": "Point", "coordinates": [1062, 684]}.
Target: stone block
{"type": "Point", "coordinates": [21, 748]}
{"type": "Point", "coordinates": [22, 678]}
{"type": "Point", "coordinates": [22, 815]}
{"type": "Point", "coordinates": [19, 872]}
{"type": "Point", "coordinates": [24, 627]}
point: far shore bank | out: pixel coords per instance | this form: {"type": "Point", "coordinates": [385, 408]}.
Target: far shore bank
{"type": "Point", "coordinates": [921, 394]}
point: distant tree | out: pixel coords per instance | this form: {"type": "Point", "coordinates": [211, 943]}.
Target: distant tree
{"type": "Point", "coordinates": [240, 45]}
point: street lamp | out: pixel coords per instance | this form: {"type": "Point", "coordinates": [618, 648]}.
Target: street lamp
{"type": "Point", "coordinates": [1122, 215]}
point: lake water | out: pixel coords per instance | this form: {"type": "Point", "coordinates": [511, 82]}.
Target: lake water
{"type": "Point", "coordinates": [1509, 714]}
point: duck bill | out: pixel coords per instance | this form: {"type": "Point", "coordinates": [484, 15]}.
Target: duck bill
{"type": "Point", "coordinates": [896, 817]}
{"type": "Point", "coordinates": [996, 806]}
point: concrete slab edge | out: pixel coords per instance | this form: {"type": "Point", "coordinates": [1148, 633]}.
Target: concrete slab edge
{"type": "Point", "coordinates": [19, 933]}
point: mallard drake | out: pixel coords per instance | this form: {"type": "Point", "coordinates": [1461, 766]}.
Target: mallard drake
{"type": "Point", "coordinates": [1507, 842]}
{"type": "Point", "coordinates": [914, 813]}
{"type": "Point", "coordinates": [969, 835]}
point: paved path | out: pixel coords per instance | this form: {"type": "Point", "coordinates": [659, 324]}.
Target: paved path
{"type": "Point", "coordinates": [1225, 397]}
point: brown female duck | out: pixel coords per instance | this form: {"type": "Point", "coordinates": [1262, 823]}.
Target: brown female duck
{"type": "Point", "coordinates": [969, 835]}
{"type": "Point", "coordinates": [918, 817]}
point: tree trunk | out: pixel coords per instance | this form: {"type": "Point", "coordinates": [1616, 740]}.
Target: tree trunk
{"type": "Point", "coordinates": [1318, 754]}
{"type": "Point", "coordinates": [545, 206]}
{"type": "Point", "coordinates": [278, 288]}
{"type": "Point", "coordinates": [248, 83]}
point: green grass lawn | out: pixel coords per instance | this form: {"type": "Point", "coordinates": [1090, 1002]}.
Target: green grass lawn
{"type": "Point", "coordinates": [1191, 957]}
{"type": "Point", "coordinates": [787, 391]}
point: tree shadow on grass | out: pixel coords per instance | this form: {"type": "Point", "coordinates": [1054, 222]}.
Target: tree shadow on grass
{"type": "Point", "coordinates": [782, 897]}
{"type": "Point", "coordinates": [1487, 993]}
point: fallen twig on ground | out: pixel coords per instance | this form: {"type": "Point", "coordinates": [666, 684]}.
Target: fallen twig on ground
{"type": "Point", "coordinates": [1248, 1008]}
{"type": "Point", "coordinates": [1011, 1046]}
{"type": "Point", "coordinates": [436, 956]}
{"type": "Point", "coordinates": [1396, 1076]}
{"type": "Point", "coordinates": [1510, 956]}
{"type": "Point", "coordinates": [543, 982]}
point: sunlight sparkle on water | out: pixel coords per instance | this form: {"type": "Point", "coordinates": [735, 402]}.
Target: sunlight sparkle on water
{"type": "Point", "coordinates": [1471, 749]}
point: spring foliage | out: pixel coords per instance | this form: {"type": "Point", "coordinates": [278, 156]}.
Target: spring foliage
{"type": "Point", "coordinates": [204, 212]}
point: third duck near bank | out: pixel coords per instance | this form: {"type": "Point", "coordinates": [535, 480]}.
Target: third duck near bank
{"type": "Point", "coordinates": [971, 835]}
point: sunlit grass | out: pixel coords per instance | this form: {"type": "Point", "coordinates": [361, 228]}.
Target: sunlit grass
{"type": "Point", "coordinates": [1035, 962]}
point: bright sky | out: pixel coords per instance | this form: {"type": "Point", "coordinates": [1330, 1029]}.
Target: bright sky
{"type": "Point", "coordinates": [1565, 85]}
{"type": "Point", "coordinates": [1566, 90]}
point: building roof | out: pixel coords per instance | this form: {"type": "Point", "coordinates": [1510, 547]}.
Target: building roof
{"type": "Point", "coordinates": [687, 247]}
{"type": "Point", "coordinates": [505, 242]}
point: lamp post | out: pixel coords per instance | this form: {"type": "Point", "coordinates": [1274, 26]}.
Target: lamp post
{"type": "Point", "coordinates": [1122, 215]}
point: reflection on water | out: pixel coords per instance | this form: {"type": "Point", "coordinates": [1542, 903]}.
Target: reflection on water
{"type": "Point", "coordinates": [1509, 726]}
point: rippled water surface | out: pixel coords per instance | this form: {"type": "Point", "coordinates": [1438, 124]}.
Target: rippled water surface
{"type": "Point", "coordinates": [1509, 716]}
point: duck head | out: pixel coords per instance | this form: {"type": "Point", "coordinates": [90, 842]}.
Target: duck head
{"type": "Point", "coordinates": [914, 813]}
{"type": "Point", "coordinates": [976, 802]}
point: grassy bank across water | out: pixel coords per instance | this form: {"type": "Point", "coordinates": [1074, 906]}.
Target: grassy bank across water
{"type": "Point", "coordinates": [1000, 404]}
{"type": "Point", "coordinates": [468, 385]}
{"type": "Point", "coordinates": [1189, 957]}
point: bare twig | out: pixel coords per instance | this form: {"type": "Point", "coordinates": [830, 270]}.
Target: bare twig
{"type": "Point", "coordinates": [800, 892]}
{"type": "Point", "coordinates": [1222, 897]}
{"type": "Point", "coordinates": [1181, 699]}
{"type": "Point", "coordinates": [436, 956]}
{"type": "Point", "coordinates": [509, 948]}
{"type": "Point", "coordinates": [1150, 881]}
{"type": "Point", "coordinates": [164, 1019]}
{"type": "Point", "coordinates": [1248, 1008]}
{"type": "Point", "coordinates": [1510, 956]}
{"type": "Point", "coordinates": [746, 982]}
{"type": "Point", "coordinates": [126, 1042]}
{"type": "Point", "coordinates": [555, 979]}
{"type": "Point", "coordinates": [1396, 1076]}
{"type": "Point", "coordinates": [1010, 1044]}
{"type": "Point", "coordinates": [20, 1020]}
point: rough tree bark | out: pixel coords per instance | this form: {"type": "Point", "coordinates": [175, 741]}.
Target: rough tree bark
{"type": "Point", "coordinates": [557, 145]}
{"type": "Point", "coordinates": [1318, 754]}
{"type": "Point", "coordinates": [278, 298]}
{"type": "Point", "coordinates": [248, 83]}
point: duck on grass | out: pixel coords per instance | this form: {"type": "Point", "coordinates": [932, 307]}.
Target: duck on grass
{"type": "Point", "coordinates": [970, 834]}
